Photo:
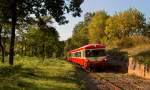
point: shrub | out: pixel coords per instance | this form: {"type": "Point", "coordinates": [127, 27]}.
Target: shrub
{"type": "Point", "coordinates": [116, 54]}
{"type": "Point", "coordinates": [143, 57]}
{"type": "Point", "coordinates": [125, 43]}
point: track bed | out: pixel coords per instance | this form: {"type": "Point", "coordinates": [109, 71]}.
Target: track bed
{"type": "Point", "coordinates": [116, 81]}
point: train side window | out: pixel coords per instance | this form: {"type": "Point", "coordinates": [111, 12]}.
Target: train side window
{"type": "Point", "coordinates": [76, 54]}
{"type": "Point", "coordinates": [72, 54]}
{"type": "Point", "coordinates": [79, 54]}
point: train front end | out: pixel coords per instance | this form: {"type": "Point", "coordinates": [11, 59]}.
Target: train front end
{"type": "Point", "coordinates": [96, 58]}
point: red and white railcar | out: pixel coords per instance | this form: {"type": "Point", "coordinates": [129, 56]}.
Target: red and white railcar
{"type": "Point", "coordinates": [88, 56]}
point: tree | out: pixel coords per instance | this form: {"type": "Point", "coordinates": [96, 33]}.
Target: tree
{"type": "Point", "coordinates": [87, 18]}
{"type": "Point", "coordinates": [147, 29]}
{"type": "Point", "coordinates": [43, 38]}
{"type": "Point", "coordinates": [15, 9]}
{"type": "Point", "coordinates": [3, 23]}
{"type": "Point", "coordinates": [79, 37]}
{"type": "Point", "coordinates": [111, 28]}
{"type": "Point", "coordinates": [1, 45]}
{"type": "Point", "coordinates": [80, 34]}
{"type": "Point", "coordinates": [69, 45]}
{"type": "Point", "coordinates": [124, 24]}
{"type": "Point", "coordinates": [96, 27]}
{"type": "Point", "coordinates": [21, 39]}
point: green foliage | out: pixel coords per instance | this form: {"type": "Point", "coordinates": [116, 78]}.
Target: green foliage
{"type": "Point", "coordinates": [125, 43]}
{"type": "Point", "coordinates": [42, 41]}
{"type": "Point", "coordinates": [14, 10]}
{"type": "Point", "coordinates": [32, 74]}
{"type": "Point", "coordinates": [80, 34]}
{"type": "Point", "coordinates": [55, 8]}
{"type": "Point", "coordinates": [116, 54]}
{"type": "Point", "coordinates": [79, 37]}
{"type": "Point", "coordinates": [69, 45]}
{"type": "Point", "coordinates": [132, 41]}
{"type": "Point", "coordinates": [124, 29]}
{"type": "Point", "coordinates": [124, 24]}
{"type": "Point", "coordinates": [111, 28]}
{"type": "Point", "coordinates": [143, 57]}
{"type": "Point", "coordinates": [96, 27]}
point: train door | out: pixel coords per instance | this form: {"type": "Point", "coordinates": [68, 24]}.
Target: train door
{"type": "Point", "coordinates": [84, 61]}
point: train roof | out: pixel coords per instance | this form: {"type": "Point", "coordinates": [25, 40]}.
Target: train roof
{"type": "Point", "coordinates": [89, 46]}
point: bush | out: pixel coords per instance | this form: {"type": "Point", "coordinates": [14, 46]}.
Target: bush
{"type": "Point", "coordinates": [143, 57]}
{"type": "Point", "coordinates": [130, 41]}
{"type": "Point", "coordinates": [116, 54]}
{"type": "Point", "coordinates": [125, 43]}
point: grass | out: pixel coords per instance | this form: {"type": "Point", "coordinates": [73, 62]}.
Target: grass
{"type": "Point", "coordinates": [30, 73]}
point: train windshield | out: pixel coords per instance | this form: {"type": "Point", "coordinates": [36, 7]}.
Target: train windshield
{"type": "Point", "coordinates": [95, 53]}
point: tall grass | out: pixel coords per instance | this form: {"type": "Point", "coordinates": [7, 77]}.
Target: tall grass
{"type": "Point", "coordinates": [31, 73]}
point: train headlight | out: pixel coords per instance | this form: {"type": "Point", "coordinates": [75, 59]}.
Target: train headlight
{"type": "Point", "coordinates": [105, 59]}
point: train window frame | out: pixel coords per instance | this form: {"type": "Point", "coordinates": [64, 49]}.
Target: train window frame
{"type": "Point", "coordinates": [96, 49]}
{"type": "Point", "coordinates": [76, 54]}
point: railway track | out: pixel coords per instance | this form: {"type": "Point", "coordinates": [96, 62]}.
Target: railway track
{"type": "Point", "coordinates": [113, 81]}
{"type": "Point", "coordinates": [105, 81]}
{"type": "Point", "coordinates": [135, 85]}
{"type": "Point", "coordinates": [118, 84]}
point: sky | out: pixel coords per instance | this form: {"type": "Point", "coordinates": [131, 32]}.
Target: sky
{"type": "Point", "coordinates": [110, 6]}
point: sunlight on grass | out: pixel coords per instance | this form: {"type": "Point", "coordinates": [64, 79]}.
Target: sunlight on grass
{"type": "Point", "coordinates": [31, 73]}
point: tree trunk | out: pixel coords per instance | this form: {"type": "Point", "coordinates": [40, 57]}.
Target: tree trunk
{"type": "Point", "coordinates": [1, 45]}
{"type": "Point", "coordinates": [14, 20]}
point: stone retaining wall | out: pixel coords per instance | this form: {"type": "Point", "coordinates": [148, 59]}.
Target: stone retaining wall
{"type": "Point", "coordinates": [141, 70]}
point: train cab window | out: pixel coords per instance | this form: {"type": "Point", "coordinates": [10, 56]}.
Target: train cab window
{"type": "Point", "coordinates": [95, 53]}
